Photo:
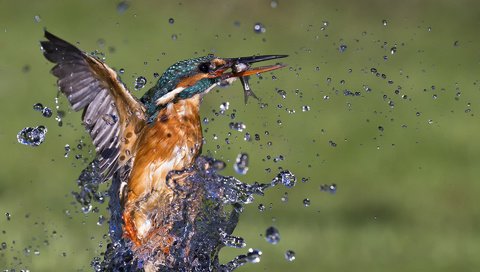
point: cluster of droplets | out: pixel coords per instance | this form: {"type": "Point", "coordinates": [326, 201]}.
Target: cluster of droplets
{"type": "Point", "coordinates": [46, 111]}
{"type": "Point", "coordinates": [241, 164]}
{"type": "Point", "coordinates": [32, 136]}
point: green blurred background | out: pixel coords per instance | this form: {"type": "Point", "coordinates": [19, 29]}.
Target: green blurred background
{"type": "Point", "coordinates": [408, 192]}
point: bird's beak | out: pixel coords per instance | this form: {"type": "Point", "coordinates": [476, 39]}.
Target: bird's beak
{"type": "Point", "coordinates": [241, 67]}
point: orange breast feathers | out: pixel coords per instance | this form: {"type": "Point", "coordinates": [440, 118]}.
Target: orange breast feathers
{"type": "Point", "coordinates": [171, 143]}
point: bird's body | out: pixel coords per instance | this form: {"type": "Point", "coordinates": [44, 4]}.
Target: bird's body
{"type": "Point", "coordinates": [172, 142]}
{"type": "Point", "coordinates": [144, 139]}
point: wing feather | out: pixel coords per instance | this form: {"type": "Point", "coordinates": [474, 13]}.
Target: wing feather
{"type": "Point", "coordinates": [109, 109]}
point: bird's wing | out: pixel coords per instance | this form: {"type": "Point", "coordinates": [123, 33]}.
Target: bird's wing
{"type": "Point", "coordinates": [111, 115]}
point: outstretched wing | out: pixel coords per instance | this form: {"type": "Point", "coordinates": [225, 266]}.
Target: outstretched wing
{"type": "Point", "coordinates": [111, 115]}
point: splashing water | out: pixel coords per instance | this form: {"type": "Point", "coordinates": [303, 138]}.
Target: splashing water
{"type": "Point", "coordinates": [32, 136]}
{"type": "Point", "coordinates": [252, 256]}
{"type": "Point", "coordinates": [198, 218]}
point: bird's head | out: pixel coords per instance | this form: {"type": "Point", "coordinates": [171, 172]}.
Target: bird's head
{"type": "Point", "coordinates": [188, 78]}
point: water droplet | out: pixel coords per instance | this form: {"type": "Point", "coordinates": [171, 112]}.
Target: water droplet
{"type": "Point", "coordinates": [32, 136]}
{"type": "Point", "coordinates": [101, 220]}
{"type": "Point", "coordinates": [332, 143]}
{"type": "Point", "coordinates": [241, 164]}
{"type": "Point", "coordinates": [140, 82]}
{"type": "Point", "coordinates": [38, 107]}
{"type": "Point", "coordinates": [282, 93]}
{"type": "Point", "coordinates": [284, 198]}
{"type": "Point", "coordinates": [253, 255]}
{"type": "Point", "coordinates": [224, 107]}
{"type": "Point", "coordinates": [456, 43]}
{"type": "Point", "coordinates": [384, 22]}
{"type": "Point", "coordinates": [247, 137]}
{"type": "Point", "coordinates": [342, 48]}
{"type": "Point", "coordinates": [171, 21]}
{"type": "Point", "coordinates": [290, 255]}
{"type": "Point", "coordinates": [261, 207]}
{"type": "Point", "coordinates": [156, 75]}
{"type": "Point", "coordinates": [393, 50]}
{"type": "Point", "coordinates": [259, 28]}
{"type": "Point", "coordinates": [47, 112]}
{"type": "Point", "coordinates": [122, 7]}
{"type": "Point", "coordinates": [305, 108]}
{"type": "Point", "coordinates": [121, 71]}
{"type": "Point", "coordinates": [8, 216]}
{"type": "Point", "coordinates": [37, 19]}
{"type": "Point", "coordinates": [306, 202]}
{"type": "Point", "coordinates": [272, 235]}
{"type": "Point", "coordinates": [174, 37]}
{"type": "Point", "coordinates": [380, 128]}
{"type": "Point", "coordinates": [36, 252]}
{"type": "Point", "coordinates": [67, 150]}
{"type": "Point", "coordinates": [273, 3]}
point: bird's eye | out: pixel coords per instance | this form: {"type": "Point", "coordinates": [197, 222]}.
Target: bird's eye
{"type": "Point", "coordinates": [204, 67]}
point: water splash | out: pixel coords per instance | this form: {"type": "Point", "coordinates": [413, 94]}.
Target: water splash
{"type": "Point", "coordinates": [200, 220]}
{"type": "Point", "coordinates": [32, 136]}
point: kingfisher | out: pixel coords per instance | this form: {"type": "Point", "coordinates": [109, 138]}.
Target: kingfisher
{"type": "Point", "coordinates": [142, 140]}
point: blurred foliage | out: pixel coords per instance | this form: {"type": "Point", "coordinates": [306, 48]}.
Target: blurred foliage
{"type": "Point", "coordinates": [406, 154]}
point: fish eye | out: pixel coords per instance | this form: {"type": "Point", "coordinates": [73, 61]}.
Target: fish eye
{"type": "Point", "coordinates": [204, 67]}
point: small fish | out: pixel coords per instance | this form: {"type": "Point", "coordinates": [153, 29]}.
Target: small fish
{"type": "Point", "coordinates": [238, 68]}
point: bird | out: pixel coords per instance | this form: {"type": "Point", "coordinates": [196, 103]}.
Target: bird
{"type": "Point", "coordinates": [144, 138]}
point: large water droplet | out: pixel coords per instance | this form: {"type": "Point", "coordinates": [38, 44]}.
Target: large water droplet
{"type": "Point", "coordinates": [32, 136]}
{"type": "Point", "coordinates": [47, 112]}
{"type": "Point", "coordinates": [272, 235]}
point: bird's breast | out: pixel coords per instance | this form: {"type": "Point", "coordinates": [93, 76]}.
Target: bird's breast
{"type": "Point", "coordinates": [171, 143]}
